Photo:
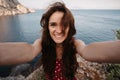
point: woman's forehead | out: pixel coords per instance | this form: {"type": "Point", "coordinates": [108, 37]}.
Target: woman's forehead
{"type": "Point", "coordinates": [56, 16]}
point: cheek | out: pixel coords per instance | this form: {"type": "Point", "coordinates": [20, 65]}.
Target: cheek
{"type": "Point", "coordinates": [67, 31]}
{"type": "Point", "coordinates": [50, 31]}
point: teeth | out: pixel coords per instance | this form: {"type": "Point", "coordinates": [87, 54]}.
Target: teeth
{"type": "Point", "coordinates": [59, 36]}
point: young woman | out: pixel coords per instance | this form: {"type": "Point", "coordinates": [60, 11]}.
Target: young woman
{"type": "Point", "coordinates": [59, 47]}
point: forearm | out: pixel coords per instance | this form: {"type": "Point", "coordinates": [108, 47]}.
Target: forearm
{"type": "Point", "coordinates": [108, 51]}
{"type": "Point", "coordinates": [15, 53]}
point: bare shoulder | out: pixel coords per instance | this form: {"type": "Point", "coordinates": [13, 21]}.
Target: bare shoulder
{"type": "Point", "coordinates": [37, 42]}
{"type": "Point", "coordinates": [79, 44]}
{"type": "Point", "coordinates": [37, 46]}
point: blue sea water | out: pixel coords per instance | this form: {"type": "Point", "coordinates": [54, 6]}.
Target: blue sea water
{"type": "Point", "coordinates": [91, 26]}
{"type": "Point", "coordinates": [96, 25]}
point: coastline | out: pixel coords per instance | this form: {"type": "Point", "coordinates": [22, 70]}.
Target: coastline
{"type": "Point", "coordinates": [12, 8]}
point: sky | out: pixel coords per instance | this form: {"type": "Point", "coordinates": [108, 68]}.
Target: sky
{"type": "Point", "coordinates": [74, 4]}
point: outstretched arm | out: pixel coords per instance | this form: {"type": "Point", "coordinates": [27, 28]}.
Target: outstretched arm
{"type": "Point", "coordinates": [18, 52]}
{"type": "Point", "coordinates": [108, 51]}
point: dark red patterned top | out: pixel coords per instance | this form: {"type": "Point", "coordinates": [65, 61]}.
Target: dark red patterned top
{"type": "Point", "coordinates": [58, 72]}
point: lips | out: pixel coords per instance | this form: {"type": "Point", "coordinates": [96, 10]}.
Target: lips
{"type": "Point", "coordinates": [59, 35]}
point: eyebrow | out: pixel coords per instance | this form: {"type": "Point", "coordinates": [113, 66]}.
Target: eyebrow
{"type": "Point", "coordinates": [52, 23]}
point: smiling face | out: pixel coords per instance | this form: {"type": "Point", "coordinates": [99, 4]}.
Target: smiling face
{"type": "Point", "coordinates": [57, 33]}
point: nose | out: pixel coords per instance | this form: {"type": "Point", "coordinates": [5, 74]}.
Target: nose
{"type": "Point", "coordinates": [59, 29]}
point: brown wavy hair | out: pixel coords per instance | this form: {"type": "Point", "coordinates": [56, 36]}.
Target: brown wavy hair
{"type": "Point", "coordinates": [49, 46]}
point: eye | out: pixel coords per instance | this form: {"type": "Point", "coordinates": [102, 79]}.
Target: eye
{"type": "Point", "coordinates": [52, 24]}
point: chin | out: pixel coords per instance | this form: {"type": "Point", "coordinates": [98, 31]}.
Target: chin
{"type": "Point", "coordinates": [58, 41]}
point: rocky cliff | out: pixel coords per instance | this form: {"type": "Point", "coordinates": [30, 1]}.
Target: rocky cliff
{"type": "Point", "coordinates": [12, 7]}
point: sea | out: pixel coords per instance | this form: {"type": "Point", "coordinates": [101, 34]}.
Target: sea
{"type": "Point", "coordinates": [91, 26]}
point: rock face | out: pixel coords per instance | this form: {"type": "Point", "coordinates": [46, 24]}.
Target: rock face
{"type": "Point", "coordinates": [19, 72]}
{"type": "Point", "coordinates": [86, 71]}
{"type": "Point", "coordinates": [19, 77]}
{"type": "Point", "coordinates": [12, 7]}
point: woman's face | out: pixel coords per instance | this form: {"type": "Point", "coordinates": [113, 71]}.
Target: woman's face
{"type": "Point", "coordinates": [56, 29]}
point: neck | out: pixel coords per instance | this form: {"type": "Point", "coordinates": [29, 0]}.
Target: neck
{"type": "Point", "coordinates": [58, 45]}
{"type": "Point", "coordinates": [59, 51]}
